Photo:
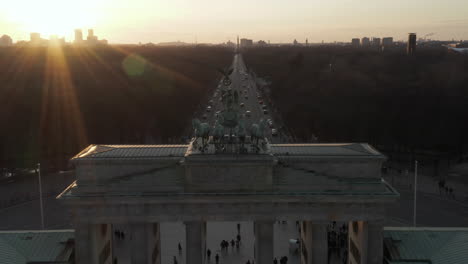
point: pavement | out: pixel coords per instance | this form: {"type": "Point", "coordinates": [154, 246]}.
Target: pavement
{"type": "Point", "coordinates": [245, 84]}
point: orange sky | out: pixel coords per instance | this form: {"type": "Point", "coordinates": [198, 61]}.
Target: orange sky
{"type": "Point", "coordinates": [122, 21]}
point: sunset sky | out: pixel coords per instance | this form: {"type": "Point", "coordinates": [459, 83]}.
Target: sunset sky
{"type": "Point", "coordinates": [125, 21]}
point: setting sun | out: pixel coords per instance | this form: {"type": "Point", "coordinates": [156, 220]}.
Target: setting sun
{"type": "Point", "coordinates": [51, 17]}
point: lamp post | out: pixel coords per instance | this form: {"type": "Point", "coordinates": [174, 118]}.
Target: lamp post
{"type": "Point", "coordinates": [415, 191]}
{"type": "Point", "coordinates": [40, 195]}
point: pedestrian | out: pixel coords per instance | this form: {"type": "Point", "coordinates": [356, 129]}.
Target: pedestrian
{"type": "Point", "coordinates": [237, 244]}
{"type": "Point", "coordinates": [208, 253]}
{"type": "Point", "coordinates": [221, 244]}
{"type": "Point", "coordinates": [451, 193]}
{"type": "Point", "coordinates": [175, 260]}
{"type": "Point", "coordinates": [232, 243]}
{"type": "Point", "coordinates": [238, 238]}
{"type": "Point", "coordinates": [238, 227]}
{"type": "Point", "coordinates": [446, 190]}
{"type": "Point", "coordinates": [285, 259]}
{"type": "Point", "coordinates": [180, 247]}
{"type": "Point", "coordinates": [275, 261]}
{"type": "Point", "coordinates": [122, 235]}
{"type": "Point", "coordinates": [217, 258]}
{"type": "Point", "coordinates": [248, 262]}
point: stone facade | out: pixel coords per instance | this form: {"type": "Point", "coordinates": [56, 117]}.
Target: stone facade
{"type": "Point", "coordinates": [141, 186]}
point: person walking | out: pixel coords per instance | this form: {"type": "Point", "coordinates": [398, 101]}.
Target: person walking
{"type": "Point", "coordinates": [175, 260]}
{"type": "Point", "coordinates": [208, 253]}
{"type": "Point", "coordinates": [275, 261]}
{"type": "Point", "coordinates": [238, 227]}
{"type": "Point", "coordinates": [238, 238]}
{"type": "Point", "coordinates": [217, 258]}
{"type": "Point", "coordinates": [232, 243]}
{"type": "Point", "coordinates": [180, 247]}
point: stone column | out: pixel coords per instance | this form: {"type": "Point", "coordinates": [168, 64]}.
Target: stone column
{"type": "Point", "coordinates": [83, 243]}
{"type": "Point", "coordinates": [358, 242]}
{"type": "Point", "coordinates": [195, 233]}
{"type": "Point", "coordinates": [319, 253]}
{"type": "Point", "coordinates": [375, 242]}
{"type": "Point", "coordinates": [263, 231]}
{"type": "Point", "coordinates": [93, 243]}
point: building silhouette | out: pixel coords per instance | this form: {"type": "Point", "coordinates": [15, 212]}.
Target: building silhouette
{"type": "Point", "coordinates": [365, 42]}
{"type": "Point", "coordinates": [376, 42]}
{"type": "Point", "coordinates": [387, 42]}
{"type": "Point", "coordinates": [246, 43]}
{"type": "Point", "coordinates": [355, 42]}
{"type": "Point", "coordinates": [78, 36]}
{"type": "Point", "coordinates": [411, 48]}
{"type": "Point", "coordinates": [6, 41]}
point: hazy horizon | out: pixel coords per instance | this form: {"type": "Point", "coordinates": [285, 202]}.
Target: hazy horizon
{"type": "Point", "coordinates": [145, 21]}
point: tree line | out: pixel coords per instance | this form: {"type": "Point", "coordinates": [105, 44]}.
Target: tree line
{"type": "Point", "coordinates": [57, 100]}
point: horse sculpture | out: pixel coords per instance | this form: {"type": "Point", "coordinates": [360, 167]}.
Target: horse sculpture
{"type": "Point", "coordinates": [202, 130]}
{"type": "Point", "coordinates": [257, 131]}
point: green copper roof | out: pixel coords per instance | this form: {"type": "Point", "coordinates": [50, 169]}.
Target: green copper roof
{"type": "Point", "coordinates": [426, 245]}
{"type": "Point", "coordinates": [48, 246]}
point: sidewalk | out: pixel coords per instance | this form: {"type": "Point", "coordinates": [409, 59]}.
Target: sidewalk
{"type": "Point", "coordinates": [426, 184]}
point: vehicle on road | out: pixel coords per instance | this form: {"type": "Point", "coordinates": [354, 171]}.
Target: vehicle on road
{"type": "Point", "coordinates": [274, 132]}
{"type": "Point", "coordinates": [247, 113]}
{"type": "Point", "coordinates": [265, 112]}
{"type": "Point", "coordinates": [208, 109]}
{"type": "Point", "coordinates": [246, 97]}
{"type": "Point", "coordinates": [242, 105]}
{"type": "Point", "coordinates": [205, 116]}
{"type": "Point", "coordinates": [260, 102]}
{"type": "Point", "coordinates": [264, 107]}
{"type": "Point", "coordinates": [211, 101]}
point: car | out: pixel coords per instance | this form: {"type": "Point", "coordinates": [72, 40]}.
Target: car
{"type": "Point", "coordinates": [264, 107]}
{"type": "Point", "coordinates": [204, 116]}
{"type": "Point", "coordinates": [265, 112]}
{"type": "Point", "coordinates": [242, 105]}
{"type": "Point", "coordinates": [270, 124]}
{"type": "Point", "coordinates": [208, 109]}
{"type": "Point", "coordinates": [274, 132]}
{"type": "Point", "coordinates": [260, 102]}
{"type": "Point", "coordinates": [247, 113]}
{"type": "Point", "coordinates": [246, 97]}
{"type": "Point", "coordinates": [211, 102]}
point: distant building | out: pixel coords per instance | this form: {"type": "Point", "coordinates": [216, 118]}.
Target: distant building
{"type": "Point", "coordinates": [376, 42]}
{"type": "Point", "coordinates": [230, 44]}
{"type": "Point", "coordinates": [387, 42]}
{"type": "Point", "coordinates": [295, 43]}
{"type": "Point", "coordinates": [411, 48]}
{"type": "Point", "coordinates": [92, 39]}
{"type": "Point", "coordinates": [365, 42]}
{"type": "Point", "coordinates": [35, 38]}
{"type": "Point", "coordinates": [261, 43]}
{"type": "Point", "coordinates": [244, 43]}
{"type": "Point", "coordinates": [6, 41]}
{"type": "Point", "coordinates": [78, 36]}
{"type": "Point", "coordinates": [355, 42]}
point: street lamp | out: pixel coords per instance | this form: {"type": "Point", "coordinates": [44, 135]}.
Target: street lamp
{"type": "Point", "coordinates": [415, 191]}
{"type": "Point", "coordinates": [40, 195]}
